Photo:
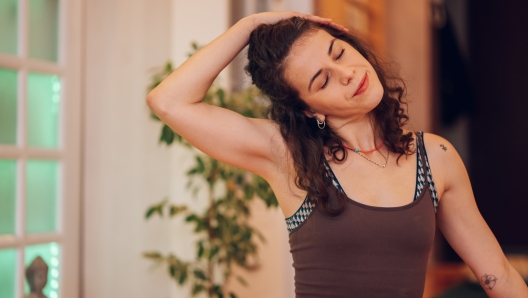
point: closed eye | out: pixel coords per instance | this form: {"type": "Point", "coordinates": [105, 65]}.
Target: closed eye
{"type": "Point", "coordinates": [325, 82]}
{"type": "Point", "coordinates": [340, 54]}
{"type": "Point", "coordinates": [337, 58]}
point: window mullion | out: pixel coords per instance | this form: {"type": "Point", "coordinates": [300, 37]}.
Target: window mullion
{"type": "Point", "coordinates": [23, 25]}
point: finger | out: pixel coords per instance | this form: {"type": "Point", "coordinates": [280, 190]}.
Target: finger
{"type": "Point", "coordinates": [339, 27]}
{"type": "Point", "coordinates": [317, 19]}
{"type": "Point", "coordinates": [321, 18]}
{"type": "Point", "coordinates": [325, 21]}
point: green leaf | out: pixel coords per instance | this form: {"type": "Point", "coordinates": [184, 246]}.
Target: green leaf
{"type": "Point", "coordinates": [232, 295]}
{"type": "Point", "coordinates": [221, 96]}
{"type": "Point", "coordinates": [218, 291]}
{"type": "Point", "coordinates": [207, 98]}
{"type": "Point", "coordinates": [213, 251]}
{"type": "Point", "coordinates": [172, 270]}
{"type": "Point", "coordinates": [200, 249]}
{"type": "Point", "coordinates": [242, 280]}
{"type": "Point", "coordinates": [247, 235]}
{"type": "Point", "coordinates": [174, 210]}
{"type": "Point", "coordinates": [192, 217]}
{"type": "Point", "coordinates": [168, 67]}
{"type": "Point", "coordinates": [201, 166]}
{"type": "Point", "coordinates": [200, 274]}
{"type": "Point", "coordinates": [249, 192]}
{"type": "Point", "coordinates": [152, 255]}
{"type": "Point", "coordinates": [154, 209]}
{"type": "Point", "coordinates": [197, 288]}
{"type": "Point", "coordinates": [192, 171]}
{"type": "Point", "coordinates": [167, 135]}
{"type": "Point", "coordinates": [158, 208]}
{"type": "Point", "coordinates": [183, 277]}
{"type": "Point", "coordinates": [153, 116]}
{"type": "Point", "coordinates": [150, 211]}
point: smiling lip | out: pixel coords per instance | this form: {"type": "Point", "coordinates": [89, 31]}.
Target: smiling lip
{"type": "Point", "coordinates": [363, 85]}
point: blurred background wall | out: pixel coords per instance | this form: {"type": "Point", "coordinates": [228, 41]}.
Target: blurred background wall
{"type": "Point", "coordinates": [124, 169]}
{"type": "Point", "coordinates": [498, 74]}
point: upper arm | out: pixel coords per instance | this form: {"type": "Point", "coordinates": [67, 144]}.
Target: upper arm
{"type": "Point", "coordinates": [247, 143]}
{"type": "Point", "coordinates": [458, 216]}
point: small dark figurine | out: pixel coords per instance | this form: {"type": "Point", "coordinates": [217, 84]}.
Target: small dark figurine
{"type": "Point", "coordinates": [37, 277]}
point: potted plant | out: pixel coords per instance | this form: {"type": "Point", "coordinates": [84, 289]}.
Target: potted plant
{"type": "Point", "coordinates": [224, 236]}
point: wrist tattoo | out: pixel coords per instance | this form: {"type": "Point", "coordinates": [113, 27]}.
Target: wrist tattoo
{"type": "Point", "coordinates": [488, 281]}
{"type": "Point", "coordinates": [443, 147]}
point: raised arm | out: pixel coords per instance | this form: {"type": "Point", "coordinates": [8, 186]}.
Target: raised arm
{"type": "Point", "coordinates": [251, 144]}
{"type": "Point", "coordinates": [464, 228]}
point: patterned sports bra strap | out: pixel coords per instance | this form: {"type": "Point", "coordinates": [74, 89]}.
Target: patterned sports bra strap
{"type": "Point", "coordinates": [421, 144]}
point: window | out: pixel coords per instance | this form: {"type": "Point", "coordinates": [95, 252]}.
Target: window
{"type": "Point", "coordinates": [39, 146]}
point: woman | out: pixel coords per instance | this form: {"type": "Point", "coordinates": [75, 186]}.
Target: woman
{"type": "Point", "coordinates": [356, 189]}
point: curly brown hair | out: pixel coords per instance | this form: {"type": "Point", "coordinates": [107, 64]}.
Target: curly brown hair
{"type": "Point", "coordinates": [269, 45]}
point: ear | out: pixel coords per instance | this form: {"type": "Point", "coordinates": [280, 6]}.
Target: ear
{"type": "Point", "coordinates": [312, 114]}
{"type": "Point", "coordinates": [309, 113]}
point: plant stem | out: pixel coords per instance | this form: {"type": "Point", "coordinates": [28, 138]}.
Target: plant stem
{"type": "Point", "coordinates": [210, 217]}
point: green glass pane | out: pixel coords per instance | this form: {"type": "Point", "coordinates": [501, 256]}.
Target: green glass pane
{"type": "Point", "coordinates": [43, 29]}
{"type": "Point", "coordinates": [8, 105]}
{"type": "Point", "coordinates": [7, 272]}
{"type": "Point", "coordinates": [43, 97]}
{"type": "Point", "coordinates": [41, 195]}
{"type": "Point", "coordinates": [49, 253]}
{"type": "Point", "coordinates": [7, 196]}
{"type": "Point", "coordinates": [8, 26]}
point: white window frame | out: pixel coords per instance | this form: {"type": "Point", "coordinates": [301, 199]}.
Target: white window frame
{"type": "Point", "coordinates": [68, 153]}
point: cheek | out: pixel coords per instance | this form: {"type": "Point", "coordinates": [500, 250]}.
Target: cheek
{"type": "Point", "coordinates": [375, 84]}
{"type": "Point", "coordinates": [317, 103]}
{"type": "Point", "coordinates": [375, 95]}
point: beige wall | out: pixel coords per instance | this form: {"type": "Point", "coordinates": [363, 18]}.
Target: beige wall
{"type": "Point", "coordinates": [124, 169]}
{"type": "Point", "coordinates": [409, 45]}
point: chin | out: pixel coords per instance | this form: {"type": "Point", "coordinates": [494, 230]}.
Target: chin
{"type": "Point", "coordinates": [374, 98]}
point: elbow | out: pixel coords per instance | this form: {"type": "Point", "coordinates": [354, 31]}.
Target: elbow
{"type": "Point", "coordinates": [154, 102]}
{"type": "Point", "coordinates": [151, 100]}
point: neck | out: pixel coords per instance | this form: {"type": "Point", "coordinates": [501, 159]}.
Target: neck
{"type": "Point", "coordinates": [358, 133]}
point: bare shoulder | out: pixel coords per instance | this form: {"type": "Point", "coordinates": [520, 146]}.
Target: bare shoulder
{"type": "Point", "coordinates": [445, 163]}
{"type": "Point", "coordinates": [439, 149]}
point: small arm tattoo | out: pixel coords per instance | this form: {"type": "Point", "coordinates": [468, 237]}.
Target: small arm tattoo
{"type": "Point", "coordinates": [488, 281]}
{"type": "Point", "coordinates": [443, 147]}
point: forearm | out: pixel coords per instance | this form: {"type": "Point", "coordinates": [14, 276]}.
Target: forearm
{"type": "Point", "coordinates": [510, 285]}
{"type": "Point", "coordinates": [189, 82]}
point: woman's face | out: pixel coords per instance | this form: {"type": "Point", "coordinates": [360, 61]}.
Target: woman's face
{"type": "Point", "coordinates": [333, 78]}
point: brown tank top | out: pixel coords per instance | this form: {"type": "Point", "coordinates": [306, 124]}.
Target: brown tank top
{"type": "Point", "coordinates": [366, 251]}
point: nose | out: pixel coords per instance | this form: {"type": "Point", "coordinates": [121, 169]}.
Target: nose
{"type": "Point", "coordinates": [346, 74]}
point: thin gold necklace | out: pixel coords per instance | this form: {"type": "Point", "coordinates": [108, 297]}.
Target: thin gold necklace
{"type": "Point", "coordinates": [379, 165]}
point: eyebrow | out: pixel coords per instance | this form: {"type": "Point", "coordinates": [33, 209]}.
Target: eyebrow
{"type": "Point", "coordinates": [320, 70]}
